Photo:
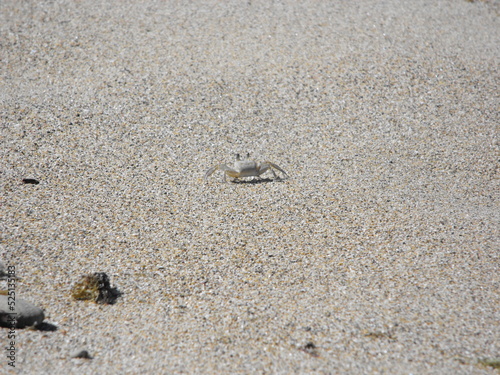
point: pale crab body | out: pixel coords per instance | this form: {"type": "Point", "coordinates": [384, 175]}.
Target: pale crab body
{"type": "Point", "coordinates": [246, 168]}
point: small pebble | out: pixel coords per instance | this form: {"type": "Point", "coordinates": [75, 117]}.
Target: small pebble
{"type": "Point", "coordinates": [310, 348]}
{"type": "Point", "coordinates": [30, 181]}
{"type": "Point", "coordinates": [81, 353]}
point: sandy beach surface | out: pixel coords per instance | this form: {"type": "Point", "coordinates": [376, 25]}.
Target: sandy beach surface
{"type": "Point", "coordinates": [379, 255]}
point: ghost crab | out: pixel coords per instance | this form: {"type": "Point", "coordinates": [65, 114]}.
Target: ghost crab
{"type": "Point", "coordinates": [247, 168]}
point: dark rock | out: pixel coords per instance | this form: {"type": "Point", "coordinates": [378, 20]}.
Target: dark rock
{"type": "Point", "coordinates": [30, 181]}
{"type": "Point", "coordinates": [19, 313]}
{"type": "Point", "coordinates": [95, 287]}
{"type": "Point", "coordinates": [81, 353]}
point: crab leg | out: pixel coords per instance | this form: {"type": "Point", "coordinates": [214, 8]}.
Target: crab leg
{"type": "Point", "coordinates": [210, 172]}
{"type": "Point", "coordinates": [229, 171]}
{"type": "Point", "coordinates": [223, 167]}
{"type": "Point", "coordinates": [272, 165]}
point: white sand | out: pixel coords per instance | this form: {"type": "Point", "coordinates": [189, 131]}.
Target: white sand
{"type": "Point", "coordinates": [382, 249]}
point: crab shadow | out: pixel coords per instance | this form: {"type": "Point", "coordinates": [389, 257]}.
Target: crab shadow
{"type": "Point", "coordinates": [256, 181]}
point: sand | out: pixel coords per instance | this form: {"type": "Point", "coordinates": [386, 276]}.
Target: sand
{"type": "Point", "coordinates": [380, 253]}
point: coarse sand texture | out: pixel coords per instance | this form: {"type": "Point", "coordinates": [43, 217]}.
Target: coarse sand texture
{"type": "Point", "coordinates": [379, 254]}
